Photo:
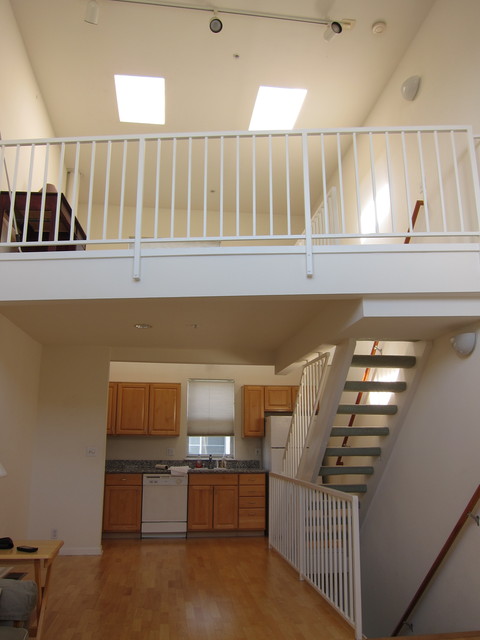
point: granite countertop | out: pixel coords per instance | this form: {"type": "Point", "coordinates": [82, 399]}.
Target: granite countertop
{"type": "Point", "coordinates": [148, 466]}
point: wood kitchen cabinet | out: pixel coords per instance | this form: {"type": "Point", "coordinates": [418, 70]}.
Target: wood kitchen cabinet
{"type": "Point", "coordinates": [258, 399]}
{"type": "Point", "coordinates": [253, 411]}
{"type": "Point", "coordinates": [122, 505]}
{"type": "Point", "coordinates": [144, 408]}
{"type": "Point", "coordinates": [213, 502]}
{"type": "Point", "coordinates": [112, 407]}
{"type": "Point", "coordinates": [251, 501]}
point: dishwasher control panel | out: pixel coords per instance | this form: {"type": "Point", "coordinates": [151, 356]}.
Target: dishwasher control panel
{"type": "Point", "coordinates": [164, 479]}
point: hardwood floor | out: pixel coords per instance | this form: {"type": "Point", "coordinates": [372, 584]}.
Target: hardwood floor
{"type": "Point", "coordinates": [195, 589]}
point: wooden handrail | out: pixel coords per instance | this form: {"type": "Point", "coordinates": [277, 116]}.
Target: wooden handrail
{"type": "Point", "coordinates": [438, 561]}
{"type": "Point", "coordinates": [418, 205]}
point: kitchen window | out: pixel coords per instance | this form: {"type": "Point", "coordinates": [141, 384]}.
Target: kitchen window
{"type": "Point", "coordinates": [210, 417]}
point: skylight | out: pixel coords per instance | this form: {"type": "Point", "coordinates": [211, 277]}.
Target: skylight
{"type": "Point", "coordinates": [140, 99]}
{"type": "Point", "coordinates": [276, 108]}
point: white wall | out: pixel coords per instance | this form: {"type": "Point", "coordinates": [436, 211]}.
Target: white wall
{"type": "Point", "coordinates": [22, 111]}
{"type": "Point", "coordinates": [142, 448]}
{"type": "Point", "coordinates": [434, 468]}
{"type": "Point", "coordinates": [446, 54]}
{"type": "Point", "coordinates": [429, 480]}
{"type": "Point", "coordinates": [67, 485]}
{"type": "Point", "coordinates": [19, 372]}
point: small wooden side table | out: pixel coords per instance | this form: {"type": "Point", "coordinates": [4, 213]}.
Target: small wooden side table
{"type": "Point", "coordinates": [42, 561]}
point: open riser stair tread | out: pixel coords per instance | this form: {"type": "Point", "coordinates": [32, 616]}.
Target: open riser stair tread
{"type": "Point", "coordinates": [352, 451]}
{"type": "Point", "coordinates": [365, 386]}
{"type": "Point", "coordinates": [345, 471]}
{"type": "Point", "coordinates": [359, 431]}
{"type": "Point", "coordinates": [367, 409]}
{"type": "Point", "coordinates": [387, 362]}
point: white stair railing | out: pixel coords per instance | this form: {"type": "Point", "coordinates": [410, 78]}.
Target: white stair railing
{"type": "Point", "coordinates": [306, 405]}
{"type": "Point", "coordinates": [317, 531]}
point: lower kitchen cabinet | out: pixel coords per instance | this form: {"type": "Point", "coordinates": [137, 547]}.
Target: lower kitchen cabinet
{"type": "Point", "coordinates": [213, 502]}
{"type": "Point", "coordinates": [251, 501]}
{"type": "Point", "coordinates": [122, 505]}
{"type": "Point", "coordinates": [230, 502]}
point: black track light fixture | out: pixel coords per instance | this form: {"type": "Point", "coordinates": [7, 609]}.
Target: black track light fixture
{"type": "Point", "coordinates": [216, 25]}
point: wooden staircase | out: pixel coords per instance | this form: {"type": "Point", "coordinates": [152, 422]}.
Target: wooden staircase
{"type": "Point", "coordinates": [353, 447]}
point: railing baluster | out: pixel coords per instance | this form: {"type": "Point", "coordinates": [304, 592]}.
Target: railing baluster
{"type": "Point", "coordinates": [122, 189]}
{"type": "Point", "coordinates": [374, 181]}
{"type": "Point", "coordinates": [270, 184]}
{"type": "Point", "coordinates": [340, 183]}
{"type": "Point", "coordinates": [254, 186]}
{"type": "Point", "coordinates": [75, 186]}
{"type": "Point", "coordinates": [205, 186]}
{"type": "Point", "coordinates": [90, 188]}
{"type": "Point", "coordinates": [189, 188]}
{"type": "Point", "coordinates": [287, 184]}
{"type": "Point", "coordinates": [222, 175]}
{"type": "Point", "coordinates": [107, 189]}
{"type": "Point", "coordinates": [440, 181]}
{"type": "Point", "coordinates": [357, 184]}
{"type": "Point", "coordinates": [424, 182]}
{"type": "Point", "coordinates": [158, 164]}
{"type": "Point", "coordinates": [237, 187]}
{"type": "Point", "coordinates": [172, 195]}
{"type": "Point", "coordinates": [139, 209]}
{"type": "Point", "coordinates": [457, 181]}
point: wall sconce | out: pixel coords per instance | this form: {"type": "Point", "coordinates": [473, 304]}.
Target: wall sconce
{"type": "Point", "coordinates": [464, 343]}
{"type": "Point", "coordinates": [3, 471]}
{"type": "Point", "coordinates": [410, 87]}
{"type": "Point", "coordinates": [91, 14]}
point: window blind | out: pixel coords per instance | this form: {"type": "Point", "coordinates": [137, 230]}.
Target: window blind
{"type": "Point", "coordinates": [210, 407]}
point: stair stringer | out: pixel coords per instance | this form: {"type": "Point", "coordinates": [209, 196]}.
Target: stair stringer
{"type": "Point", "coordinates": [421, 352]}
{"type": "Point", "coordinates": [319, 432]}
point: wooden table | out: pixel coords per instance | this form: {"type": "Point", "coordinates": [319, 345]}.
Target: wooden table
{"type": "Point", "coordinates": [42, 561]}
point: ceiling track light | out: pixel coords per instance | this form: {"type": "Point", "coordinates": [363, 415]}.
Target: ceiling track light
{"type": "Point", "coordinates": [216, 25]}
{"type": "Point", "coordinates": [335, 26]}
{"type": "Point", "coordinates": [92, 11]}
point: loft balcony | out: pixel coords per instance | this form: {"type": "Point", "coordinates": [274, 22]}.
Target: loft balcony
{"type": "Point", "coordinates": [315, 197]}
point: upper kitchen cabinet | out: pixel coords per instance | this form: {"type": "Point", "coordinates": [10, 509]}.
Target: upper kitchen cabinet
{"type": "Point", "coordinates": [279, 398]}
{"type": "Point", "coordinates": [143, 408]}
{"type": "Point", "coordinates": [164, 409]}
{"type": "Point", "coordinates": [253, 410]}
{"type": "Point", "coordinates": [257, 400]}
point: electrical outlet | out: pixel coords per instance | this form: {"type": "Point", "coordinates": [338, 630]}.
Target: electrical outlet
{"type": "Point", "coordinates": [170, 451]}
{"type": "Point", "coordinates": [54, 534]}
{"type": "Point", "coordinates": [257, 452]}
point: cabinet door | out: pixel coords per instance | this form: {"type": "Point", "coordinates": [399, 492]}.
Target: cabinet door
{"type": "Point", "coordinates": [253, 408]}
{"type": "Point", "coordinates": [278, 398]}
{"type": "Point", "coordinates": [225, 508]}
{"type": "Point", "coordinates": [164, 409]}
{"type": "Point", "coordinates": [122, 508]}
{"type": "Point", "coordinates": [112, 407]}
{"type": "Point", "coordinates": [200, 508]}
{"type": "Point", "coordinates": [132, 408]}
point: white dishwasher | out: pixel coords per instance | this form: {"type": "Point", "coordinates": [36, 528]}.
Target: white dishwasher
{"type": "Point", "coordinates": [164, 506]}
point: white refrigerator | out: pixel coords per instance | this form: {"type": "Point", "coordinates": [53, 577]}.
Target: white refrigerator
{"type": "Point", "coordinates": [276, 434]}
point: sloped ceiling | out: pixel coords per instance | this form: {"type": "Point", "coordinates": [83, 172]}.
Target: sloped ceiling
{"type": "Point", "coordinates": [211, 85]}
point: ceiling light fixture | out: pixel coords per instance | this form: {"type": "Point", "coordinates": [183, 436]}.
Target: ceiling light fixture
{"type": "Point", "coordinates": [464, 343]}
{"type": "Point", "coordinates": [142, 325]}
{"type": "Point", "coordinates": [216, 25]}
{"type": "Point", "coordinates": [335, 27]}
{"type": "Point", "coordinates": [91, 14]}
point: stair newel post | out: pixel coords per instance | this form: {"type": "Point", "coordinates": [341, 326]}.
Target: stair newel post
{"type": "Point", "coordinates": [307, 207]}
{"type": "Point", "coordinates": [137, 246]}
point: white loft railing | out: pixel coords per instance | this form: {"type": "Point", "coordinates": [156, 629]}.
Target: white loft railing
{"type": "Point", "coordinates": [317, 531]}
{"type": "Point", "coordinates": [222, 191]}
{"type": "Point", "coordinates": [306, 406]}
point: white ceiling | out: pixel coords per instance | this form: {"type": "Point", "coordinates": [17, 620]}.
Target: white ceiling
{"type": "Point", "coordinates": [211, 85]}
